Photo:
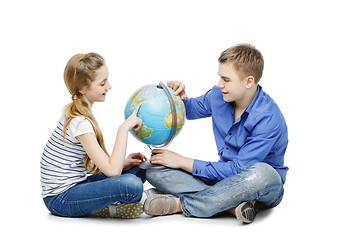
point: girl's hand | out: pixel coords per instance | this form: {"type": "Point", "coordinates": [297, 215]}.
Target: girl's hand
{"type": "Point", "coordinates": [179, 88]}
{"type": "Point", "coordinates": [133, 122]}
{"type": "Point", "coordinates": [133, 160]}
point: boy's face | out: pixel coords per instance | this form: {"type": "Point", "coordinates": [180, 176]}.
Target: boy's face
{"type": "Point", "coordinates": [231, 84]}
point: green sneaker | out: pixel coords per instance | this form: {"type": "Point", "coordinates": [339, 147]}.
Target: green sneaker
{"type": "Point", "coordinates": [120, 210]}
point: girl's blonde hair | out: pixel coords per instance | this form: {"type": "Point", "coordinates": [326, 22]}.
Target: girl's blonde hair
{"type": "Point", "coordinates": [79, 73]}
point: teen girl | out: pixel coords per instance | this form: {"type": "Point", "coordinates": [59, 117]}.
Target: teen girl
{"type": "Point", "coordinates": [76, 147]}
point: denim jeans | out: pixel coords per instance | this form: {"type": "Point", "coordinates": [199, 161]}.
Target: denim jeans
{"type": "Point", "coordinates": [96, 192]}
{"type": "Point", "coordinates": [203, 198]}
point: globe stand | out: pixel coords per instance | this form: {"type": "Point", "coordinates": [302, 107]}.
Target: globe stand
{"type": "Point", "coordinates": [147, 164]}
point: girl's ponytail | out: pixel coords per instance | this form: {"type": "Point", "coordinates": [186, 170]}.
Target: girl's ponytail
{"type": "Point", "coordinates": [79, 73]}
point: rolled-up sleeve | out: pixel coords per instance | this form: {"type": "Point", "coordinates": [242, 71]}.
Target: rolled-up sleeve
{"type": "Point", "coordinates": [213, 170]}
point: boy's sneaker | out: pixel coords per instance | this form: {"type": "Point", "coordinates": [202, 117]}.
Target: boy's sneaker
{"type": "Point", "coordinates": [120, 210]}
{"type": "Point", "coordinates": [151, 191]}
{"type": "Point", "coordinates": [160, 205]}
{"type": "Point", "coordinates": [246, 212]}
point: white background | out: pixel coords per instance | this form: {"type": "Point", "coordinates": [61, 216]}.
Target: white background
{"type": "Point", "coordinates": [311, 51]}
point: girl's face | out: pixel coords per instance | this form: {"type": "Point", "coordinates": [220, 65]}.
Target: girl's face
{"type": "Point", "coordinates": [99, 87]}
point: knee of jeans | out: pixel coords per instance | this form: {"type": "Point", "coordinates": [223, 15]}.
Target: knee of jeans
{"type": "Point", "coordinates": [263, 174]}
{"type": "Point", "coordinates": [262, 166]}
{"type": "Point", "coordinates": [132, 186]}
{"type": "Point", "coordinates": [149, 175]}
{"type": "Point", "coordinates": [154, 175]}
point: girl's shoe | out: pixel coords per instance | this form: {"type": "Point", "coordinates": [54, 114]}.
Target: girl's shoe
{"type": "Point", "coordinates": [120, 210]}
{"type": "Point", "coordinates": [246, 212]}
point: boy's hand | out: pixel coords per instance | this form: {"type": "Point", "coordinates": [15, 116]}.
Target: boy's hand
{"type": "Point", "coordinates": [179, 88]}
{"type": "Point", "coordinates": [171, 159]}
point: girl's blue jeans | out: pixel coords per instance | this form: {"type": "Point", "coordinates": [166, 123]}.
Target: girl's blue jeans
{"type": "Point", "coordinates": [203, 198]}
{"type": "Point", "coordinates": [96, 192]}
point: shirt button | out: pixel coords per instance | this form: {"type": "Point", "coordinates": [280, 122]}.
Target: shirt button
{"type": "Point", "coordinates": [230, 134]}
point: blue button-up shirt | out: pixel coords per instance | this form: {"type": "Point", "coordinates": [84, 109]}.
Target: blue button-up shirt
{"type": "Point", "coordinates": [258, 135]}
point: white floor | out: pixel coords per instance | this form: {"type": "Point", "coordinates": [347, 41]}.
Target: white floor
{"type": "Point", "coordinates": [293, 218]}
{"type": "Point", "coordinates": [268, 222]}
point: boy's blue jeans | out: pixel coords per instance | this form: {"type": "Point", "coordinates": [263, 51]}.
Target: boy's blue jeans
{"type": "Point", "coordinates": [203, 198]}
{"type": "Point", "coordinates": [96, 192]}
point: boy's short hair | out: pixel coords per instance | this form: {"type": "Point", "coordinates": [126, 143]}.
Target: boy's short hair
{"type": "Point", "coordinates": [246, 58]}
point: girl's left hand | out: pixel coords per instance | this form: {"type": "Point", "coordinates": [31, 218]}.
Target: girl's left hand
{"type": "Point", "coordinates": [133, 160]}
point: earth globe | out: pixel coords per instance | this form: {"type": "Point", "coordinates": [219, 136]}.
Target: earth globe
{"type": "Point", "coordinates": [162, 114]}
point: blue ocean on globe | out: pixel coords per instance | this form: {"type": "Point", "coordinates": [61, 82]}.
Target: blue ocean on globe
{"type": "Point", "coordinates": [155, 112]}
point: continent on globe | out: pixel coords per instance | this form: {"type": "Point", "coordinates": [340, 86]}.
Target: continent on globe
{"type": "Point", "coordinates": [156, 114]}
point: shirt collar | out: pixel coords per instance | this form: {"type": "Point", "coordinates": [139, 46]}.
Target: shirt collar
{"type": "Point", "coordinates": [259, 90]}
{"type": "Point", "coordinates": [250, 107]}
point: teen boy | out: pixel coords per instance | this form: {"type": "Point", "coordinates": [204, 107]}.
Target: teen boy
{"type": "Point", "coordinates": [251, 138]}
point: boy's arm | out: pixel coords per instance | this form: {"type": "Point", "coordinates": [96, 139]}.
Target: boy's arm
{"type": "Point", "coordinates": [257, 147]}
{"type": "Point", "coordinates": [199, 107]}
{"type": "Point", "coordinates": [195, 107]}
